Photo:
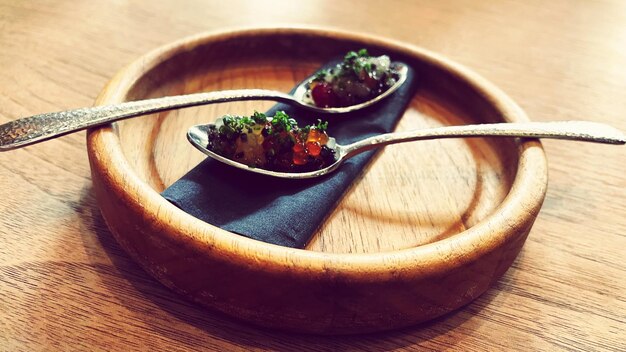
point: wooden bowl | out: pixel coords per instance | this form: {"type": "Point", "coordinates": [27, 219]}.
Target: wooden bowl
{"type": "Point", "coordinates": [426, 229]}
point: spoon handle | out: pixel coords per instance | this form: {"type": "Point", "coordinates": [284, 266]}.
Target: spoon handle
{"type": "Point", "coordinates": [37, 128]}
{"type": "Point", "coordinates": [572, 130]}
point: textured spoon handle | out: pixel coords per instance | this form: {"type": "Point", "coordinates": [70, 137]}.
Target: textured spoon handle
{"type": "Point", "coordinates": [38, 128]}
{"type": "Point", "coordinates": [572, 130]}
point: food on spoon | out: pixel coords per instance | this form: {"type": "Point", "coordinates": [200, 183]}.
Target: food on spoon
{"type": "Point", "coordinates": [271, 143]}
{"type": "Point", "coordinates": [359, 78]}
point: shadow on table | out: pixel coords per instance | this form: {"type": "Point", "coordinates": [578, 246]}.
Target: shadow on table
{"type": "Point", "coordinates": [193, 326]}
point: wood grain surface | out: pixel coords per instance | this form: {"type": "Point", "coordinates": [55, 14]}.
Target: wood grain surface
{"type": "Point", "coordinates": [65, 284]}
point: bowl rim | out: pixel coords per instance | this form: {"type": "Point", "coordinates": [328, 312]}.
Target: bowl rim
{"type": "Point", "coordinates": [515, 213]}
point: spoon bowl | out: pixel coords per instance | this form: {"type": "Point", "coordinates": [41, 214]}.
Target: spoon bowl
{"type": "Point", "coordinates": [303, 88]}
{"type": "Point", "coordinates": [571, 130]}
{"type": "Point", "coordinates": [38, 128]}
{"type": "Point", "coordinates": [198, 137]}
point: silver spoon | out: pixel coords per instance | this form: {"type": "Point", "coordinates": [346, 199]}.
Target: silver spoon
{"type": "Point", "coordinates": [38, 128]}
{"type": "Point", "coordinates": [571, 130]}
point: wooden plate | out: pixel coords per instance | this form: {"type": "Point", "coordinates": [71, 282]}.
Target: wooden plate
{"type": "Point", "coordinates": [426, 229]}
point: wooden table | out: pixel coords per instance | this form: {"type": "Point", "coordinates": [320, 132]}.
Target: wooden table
{"type": "Point", "coordinates": [65, 284]}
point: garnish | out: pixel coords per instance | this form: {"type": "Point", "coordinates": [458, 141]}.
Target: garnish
{"type": "Point", "coordinates": [358, 78]}
{"type": "Point", "coordinates": [272, 143]}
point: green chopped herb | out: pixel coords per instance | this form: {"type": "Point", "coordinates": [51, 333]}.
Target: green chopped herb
{"type": "Point", "coordinates": [322, 126]}
{"type": "Point", "coordinates": [350, 56]}
{"type": "Point", "coordinates": [282, 121]}
{"type": "Point", "coordinates": [321, 75]}
{"type": "Point", "coordinates": [259, 117]}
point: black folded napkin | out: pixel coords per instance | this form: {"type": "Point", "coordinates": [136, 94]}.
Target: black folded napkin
{"type": "Point", "coordinates": [280, 211]}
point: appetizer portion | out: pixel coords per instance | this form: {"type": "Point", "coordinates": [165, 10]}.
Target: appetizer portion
{"type": "Point", "coordinates": [272, 143]}
{"type": "Point", "coordinates": [360, 77]}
